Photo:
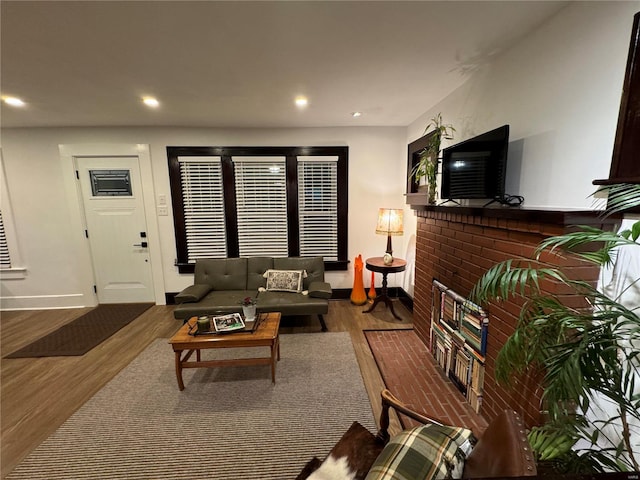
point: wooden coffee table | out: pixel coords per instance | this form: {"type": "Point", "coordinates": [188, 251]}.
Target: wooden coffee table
{"type": "Point", "coordinates": [265, 335]}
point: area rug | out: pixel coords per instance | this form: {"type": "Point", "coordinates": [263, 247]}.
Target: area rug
{"type": "Point", "coordinates": [228, 423]}
{"type": "Point", "coordinates": [83, 333]}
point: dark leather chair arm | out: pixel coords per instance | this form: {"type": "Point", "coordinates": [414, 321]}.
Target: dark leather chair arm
{"type": "Point", "coordinates": [389, 401]}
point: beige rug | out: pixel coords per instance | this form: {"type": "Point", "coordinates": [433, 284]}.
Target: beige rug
{"type": "Point", "coordinates": [230, 423]}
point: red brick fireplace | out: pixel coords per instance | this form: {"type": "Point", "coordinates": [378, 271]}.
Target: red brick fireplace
{"type": "Point", "coordinates": [456, 245]}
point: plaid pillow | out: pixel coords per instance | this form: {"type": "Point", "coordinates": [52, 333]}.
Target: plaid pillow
{"type": "Point", "coordinates": [424, 453]}
{"type": "Point", "coordinates": [284, 280]}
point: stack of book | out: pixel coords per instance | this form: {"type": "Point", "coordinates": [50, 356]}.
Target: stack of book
{"type": "Point", "coordinates": [459, 341]}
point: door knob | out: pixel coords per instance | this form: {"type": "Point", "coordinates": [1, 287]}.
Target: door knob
{"type": "Point", "coordinates": [143, 244]}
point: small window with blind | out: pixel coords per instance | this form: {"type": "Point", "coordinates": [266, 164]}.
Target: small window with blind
{"type": "Point", "coordinates": [203, 207]}
{"type": "Point", "coordinates": [318, 206]}
{"type": "Point", "coordinates": [5, 258]}
{"type": "Point", "coordinates": [261, 206]}
{"type": "Point", "coordinates": [259, 201]}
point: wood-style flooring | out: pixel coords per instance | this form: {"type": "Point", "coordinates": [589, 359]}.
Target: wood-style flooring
{"type": "Point", "coordinates": [39, 394]}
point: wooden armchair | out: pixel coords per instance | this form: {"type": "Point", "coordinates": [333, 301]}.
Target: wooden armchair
{"type": "Point", "coordinates": [502, 451]}
{"type": "Point", "coordinates": [442, 451]}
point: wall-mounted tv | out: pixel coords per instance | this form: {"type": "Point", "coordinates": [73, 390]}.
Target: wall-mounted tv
{"type": "Point", "coordinates": [476, 168]}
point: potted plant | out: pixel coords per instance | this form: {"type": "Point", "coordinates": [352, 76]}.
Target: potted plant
{"type": "Point", "coordinates": [586, 357]}
{"type": "Point", "coordinates": [425, 170]}
{"type": "Point", "coordinates": [249, 308]}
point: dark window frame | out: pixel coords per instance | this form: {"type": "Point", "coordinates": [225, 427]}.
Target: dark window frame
{"type": "Point", "coordinates": [226, 154]}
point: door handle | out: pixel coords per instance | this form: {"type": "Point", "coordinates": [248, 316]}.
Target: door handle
{"type": "Point", "coordinates": [143, 244]}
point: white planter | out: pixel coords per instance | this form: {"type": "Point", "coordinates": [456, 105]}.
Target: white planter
{"type": "Point", "coordinates": [249, 312]}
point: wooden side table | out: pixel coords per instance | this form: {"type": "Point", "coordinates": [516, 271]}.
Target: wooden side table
{"type": "Point", "coordinates": [376, 264]}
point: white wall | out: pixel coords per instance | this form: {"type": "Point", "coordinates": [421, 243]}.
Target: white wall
{"type": "Point", "coordinates": [42, 212]}
{"type": "Point", "coordinates": [559, 89]}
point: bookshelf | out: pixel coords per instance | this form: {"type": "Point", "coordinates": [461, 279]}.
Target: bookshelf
{"type": "Point", "coordinates": [459, 341]}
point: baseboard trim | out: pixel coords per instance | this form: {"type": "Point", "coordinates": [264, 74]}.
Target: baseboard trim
{"type": "Point", "coordinates": [44, 302]}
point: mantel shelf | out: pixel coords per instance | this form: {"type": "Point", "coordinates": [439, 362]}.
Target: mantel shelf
{"type": "Point", "coordinates": [565, 217]}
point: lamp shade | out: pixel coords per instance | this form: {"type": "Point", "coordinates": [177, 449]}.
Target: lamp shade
{"type": "Point", "coordinates": [390, 221]}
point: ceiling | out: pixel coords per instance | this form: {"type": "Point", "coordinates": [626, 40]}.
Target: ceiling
{"type": "Point", "coordinates": [242, 63]}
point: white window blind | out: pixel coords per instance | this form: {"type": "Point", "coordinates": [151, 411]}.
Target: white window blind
{"type": "Point", "coordinates": [5, 259]}
{"type": "Point", "coordinates": [203, 200]}
{"type": "Point", "coordinates": [261, 204]}
{"type": "Point", "coordinates": [318, 206]}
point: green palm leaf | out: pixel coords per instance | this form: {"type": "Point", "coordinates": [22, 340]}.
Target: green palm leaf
{"type": "Point", "coordinates": [578, 354]}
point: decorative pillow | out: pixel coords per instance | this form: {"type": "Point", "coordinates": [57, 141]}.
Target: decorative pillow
{"type": "Point", "coordinates": [349, 459]}
{"type": "Point", "coordinates": [284, 280]}
{"type": "Point", "coordinates": [311, 466]}
{"type": "Point", "coordinates": [424, 453]}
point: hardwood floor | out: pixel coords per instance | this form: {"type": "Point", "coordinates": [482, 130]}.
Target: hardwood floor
{"type": "Point", "coordinates": [39, 394]}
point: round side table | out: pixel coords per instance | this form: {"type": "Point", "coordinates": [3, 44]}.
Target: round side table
{"type": "Point", "coordinates": [376, 264]}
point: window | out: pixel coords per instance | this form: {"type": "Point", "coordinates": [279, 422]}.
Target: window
{"type": "Point", "coordinates": [318, 206]}
{"type": "Point", "coordinates": [203, 207]}
{"type": "Point", "coordinates": [10, 260]}
{"type": "Point", "coordinates": [259, 201]}
{"type": "Point", "coordinates": [5, 259]}
{"type": "Point", "coordinates": [261, 206]}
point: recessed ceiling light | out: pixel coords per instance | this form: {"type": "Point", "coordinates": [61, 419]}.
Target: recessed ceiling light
{"type": "Point", "coordinates": [13, 101]}
{"type": "Point", "coordinates": [356, 114]}
{"type": "Point", "coordinates": [301, 101]}
{"type": "Point", "coordinates": [150, 102]}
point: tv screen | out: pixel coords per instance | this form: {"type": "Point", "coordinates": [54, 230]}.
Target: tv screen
{"type": "Point", "coordinates": [476, 168]}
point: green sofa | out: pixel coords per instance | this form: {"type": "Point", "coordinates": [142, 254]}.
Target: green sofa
{"type": "Point", "coordinates": [221, 284]}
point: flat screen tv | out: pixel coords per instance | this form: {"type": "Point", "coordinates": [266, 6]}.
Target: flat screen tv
{"type": "Point", "coordinates": [476, 168]}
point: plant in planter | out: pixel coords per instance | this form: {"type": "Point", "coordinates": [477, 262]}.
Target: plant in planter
{"type": "Point", "coordinates": [428, 158]}
{"type": "Point", "coordinates": [587, 357]}
{"type": "Point", "coordinates": [248, 308]}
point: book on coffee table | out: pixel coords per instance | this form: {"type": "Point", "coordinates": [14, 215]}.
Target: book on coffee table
{"type": "Point", "coordinates": [228, 323]}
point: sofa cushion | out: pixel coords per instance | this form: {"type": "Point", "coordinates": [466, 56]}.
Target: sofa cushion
{"type": "Point", "coordinates": [424, 453]}
{"type": "Point", "coordinates": [289, 303]}
{"type": "Point", "coordinates": [256, 266]}
{"type": "Point", "coordinates": [314, 266]}
{"type": "Point", "coordinates": [192, 293]}
{"type": "Point", "coordinates": [284, 280]}
{"type": "Point", "coordinates": [216, 302]}
{"type": "Point", "coordinates": [222, 273]}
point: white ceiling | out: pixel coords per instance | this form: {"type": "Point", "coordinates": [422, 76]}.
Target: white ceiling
{"type": "Point", "coordinates": [242, 63]}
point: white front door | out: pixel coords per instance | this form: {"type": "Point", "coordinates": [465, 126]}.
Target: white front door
{"type": "Point", "coordinates": [116, 228]}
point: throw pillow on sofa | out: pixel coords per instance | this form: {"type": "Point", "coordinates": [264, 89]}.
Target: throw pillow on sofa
{"type": "Point", "coordinates": [284, 280]}
{"type": "Point", "coordinates": [427, 452]}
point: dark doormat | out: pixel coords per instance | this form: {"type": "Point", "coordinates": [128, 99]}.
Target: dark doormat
{"type": "Point", "coordinates": [83, 333]}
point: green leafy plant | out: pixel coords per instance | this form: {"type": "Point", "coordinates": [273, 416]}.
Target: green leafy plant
{"type": "Point", "coordinates": [584, 355]}
{"type": "Point", "coordinates": [427, 165]}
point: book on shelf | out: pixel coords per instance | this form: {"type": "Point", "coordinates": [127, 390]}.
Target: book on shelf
{"type": "Point", "coordinates": [458, 341]}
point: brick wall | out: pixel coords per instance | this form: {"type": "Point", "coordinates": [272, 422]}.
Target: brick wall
{"type": "Point", "coordinates": [456, 246]}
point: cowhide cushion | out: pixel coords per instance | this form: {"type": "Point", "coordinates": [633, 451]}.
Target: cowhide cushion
{"type": "Point", "coordinates": [350, 458]}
